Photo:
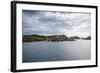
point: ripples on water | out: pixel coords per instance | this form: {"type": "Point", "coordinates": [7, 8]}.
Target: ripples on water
{"type": "Point", "coordinates": [56, 51]}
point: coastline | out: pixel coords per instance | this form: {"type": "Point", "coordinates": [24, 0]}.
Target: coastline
{"type": "Point", "coordinates": [53, 38]}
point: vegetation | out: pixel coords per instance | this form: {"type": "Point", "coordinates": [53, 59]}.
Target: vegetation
{"type": "Point", "coordinates": [87, 38]}
{"type": "Point", "coordinates": [31, 38]}
{"type": "Point", "coordinates": [74, 37]}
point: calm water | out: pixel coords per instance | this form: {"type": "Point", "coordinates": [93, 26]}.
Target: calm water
{"type": "Point", "coordinates": [56, 51]}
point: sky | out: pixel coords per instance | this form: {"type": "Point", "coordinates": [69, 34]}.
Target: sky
{"type": "Point", "coordinates": [56, 23]}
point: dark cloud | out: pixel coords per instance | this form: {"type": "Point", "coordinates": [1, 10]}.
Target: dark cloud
{"type": "Point", "coordinates": [46, 22]}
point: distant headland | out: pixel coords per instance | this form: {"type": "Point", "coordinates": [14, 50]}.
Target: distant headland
{"type": "Point", "coordinates": [53, 38]}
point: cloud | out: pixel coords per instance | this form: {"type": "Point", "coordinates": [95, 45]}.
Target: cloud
{"type": "Point", "coordinates": [53, 23]}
